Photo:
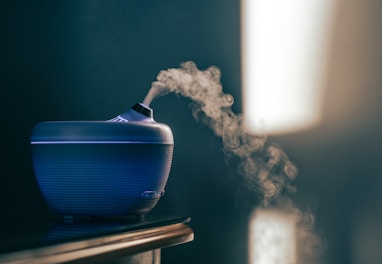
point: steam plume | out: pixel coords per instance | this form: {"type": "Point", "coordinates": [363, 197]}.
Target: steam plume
{"type": "Point", "coordinates": [271, 175]}
{"type": "Point", "coordinates": [265, 168]}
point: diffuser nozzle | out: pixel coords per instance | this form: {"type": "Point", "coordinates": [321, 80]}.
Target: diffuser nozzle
{"type": "Point", "coordinates": [143, 109]}
{"type": "Point", "coordinates": [138, 112]}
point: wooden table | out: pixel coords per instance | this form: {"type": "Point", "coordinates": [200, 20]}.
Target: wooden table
{"type": "Point", "coordinates": [113, 240]}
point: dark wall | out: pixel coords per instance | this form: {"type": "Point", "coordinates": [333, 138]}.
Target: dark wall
{"type": "Point", "coordinates": [91, 60]}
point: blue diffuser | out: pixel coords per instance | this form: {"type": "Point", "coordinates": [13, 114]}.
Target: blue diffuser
{"type": "Point", "coordinates": [103, 168]}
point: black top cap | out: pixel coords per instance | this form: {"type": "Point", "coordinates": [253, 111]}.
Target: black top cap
{"type": "Point", "coordinates": [144, 110]}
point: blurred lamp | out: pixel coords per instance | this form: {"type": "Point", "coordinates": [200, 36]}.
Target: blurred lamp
{"type": "Point", "coordinates": [283, 62]}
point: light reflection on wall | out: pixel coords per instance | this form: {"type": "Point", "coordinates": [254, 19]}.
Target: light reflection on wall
{"type": "Point", "coordinates": [284, 51]}
{"type": "Point", "coordinates": [272, 238]}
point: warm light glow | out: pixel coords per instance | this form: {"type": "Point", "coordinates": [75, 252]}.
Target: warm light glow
{"type": "Point", "coordinates": [272, 238]}
{"type": "Point", "coordinates": [283, 60]}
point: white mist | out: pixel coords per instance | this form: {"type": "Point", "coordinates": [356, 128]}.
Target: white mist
{"type": "Point", "coordinates": [264, 167]}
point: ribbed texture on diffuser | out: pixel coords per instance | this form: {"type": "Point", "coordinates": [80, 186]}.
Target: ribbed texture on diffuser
{"type": "Point", "coordinates": [101, 179]}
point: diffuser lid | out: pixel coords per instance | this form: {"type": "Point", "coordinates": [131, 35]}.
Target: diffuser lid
{"type": "Point", "coordinates": [134, 126]}
{"type": "Point", "coordinates": [52, 132]}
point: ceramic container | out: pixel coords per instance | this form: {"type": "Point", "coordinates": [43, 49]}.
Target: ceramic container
{"type": "Point", "coordinates": [103, 168]}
